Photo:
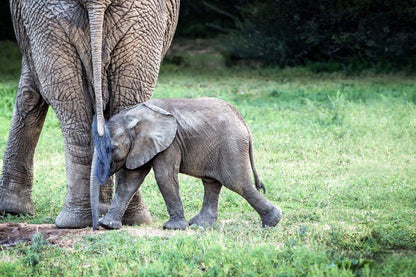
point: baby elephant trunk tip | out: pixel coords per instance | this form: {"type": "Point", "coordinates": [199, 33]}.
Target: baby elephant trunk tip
{"type": "Point", "coordinates": [95, 226]}
{"type": "Point", "coordinates": [94, 198]}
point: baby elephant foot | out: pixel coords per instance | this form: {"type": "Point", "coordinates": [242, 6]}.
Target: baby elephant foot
{"type": "Point", "coordinates": [109, 223]}
{"type": "Point", "coordinates": [178, 224]}
{"type": "Point", "coordinates": [272, 217]}
{"type": "Point", "coordinates": [203, 220]}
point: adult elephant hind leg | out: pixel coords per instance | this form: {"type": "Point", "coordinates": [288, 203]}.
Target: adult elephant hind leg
{"type": "Point", "coordinates": [75, 119]}
{"type": "Point", "coordinates": [137, 213]}
{"type": "Point", "coordinates": [209, 212]}
{"type": "Point", "coordinates": [106, 196]}
{"type": "Point", "coordinates": [76, 212]}
{"type": "Point", "coordinates": [17, 175]}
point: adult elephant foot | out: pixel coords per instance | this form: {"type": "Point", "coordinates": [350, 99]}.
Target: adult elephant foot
{"type": "Point", "coordinates": [137, 218]}
{"type": "Point", "coordinates": [13, 203]}
{"type": "Point", "coordinates": [74, 217]}
{"type": "Point", "coordinates": [137, 213]}
{"type": "Point", "coordinates": [76, 212]}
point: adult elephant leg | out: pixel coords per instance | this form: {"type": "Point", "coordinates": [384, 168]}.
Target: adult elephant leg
{"type": "Point", "coordinates": [134, 64]}
{"type": "Point", "coordinates": [27, 122]}
{"type": "Point", "coordinates": [76, 212]}
{"type": "Point", "coordinates": [137, 213]}
{"type": "Point", "coordinates": [131, 91]}
{"type": "Point", "coordinates": [106, 196]}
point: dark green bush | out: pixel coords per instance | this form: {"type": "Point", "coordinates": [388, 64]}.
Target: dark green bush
{"type": "Point", "coordinates": [196, 18]}
{"type": "Point", "coordinates": [6, 27]}
{"type": "Point", "coordinates": [371, 33]}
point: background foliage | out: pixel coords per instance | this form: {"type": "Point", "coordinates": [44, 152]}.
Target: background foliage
{"type": "Point", "coordinates": [332, 34]}
{"type": "Point", "coordinates": [369, 33]}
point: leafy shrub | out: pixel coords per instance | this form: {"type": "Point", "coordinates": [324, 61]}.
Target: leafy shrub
{"type": "Point", "coordinates": [377, 34]}
{"type": "Point", "coordinates": [196, 18]}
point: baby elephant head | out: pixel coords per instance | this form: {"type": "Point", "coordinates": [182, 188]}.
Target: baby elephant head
{"type": "Point", "coordinates": [137, 135]}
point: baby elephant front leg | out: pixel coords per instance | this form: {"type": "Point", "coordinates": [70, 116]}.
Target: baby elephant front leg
{"type": "Point", "coordinates": [128, 182]}
{"type": "Point", "coordinates": [166, 168]}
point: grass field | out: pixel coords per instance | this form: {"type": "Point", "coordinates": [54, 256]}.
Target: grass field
{"type": "Point", "coordinates": [337, 153]}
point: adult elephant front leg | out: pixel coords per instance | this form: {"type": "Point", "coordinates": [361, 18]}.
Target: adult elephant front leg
{"type": "Point", "coordinates": [17, 175]}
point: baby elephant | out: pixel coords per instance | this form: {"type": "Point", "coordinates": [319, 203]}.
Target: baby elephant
{"type": "Point", "coordinates": [205, 138]}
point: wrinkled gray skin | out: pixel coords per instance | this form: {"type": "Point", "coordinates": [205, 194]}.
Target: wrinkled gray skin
{"type": "Point", "coordinates": [205, 138]}
{"type": "Point", "coordinates": [80, 57]}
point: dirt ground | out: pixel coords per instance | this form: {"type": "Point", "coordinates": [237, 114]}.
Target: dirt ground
{"type": "Point", "coordinates": [13, 233]}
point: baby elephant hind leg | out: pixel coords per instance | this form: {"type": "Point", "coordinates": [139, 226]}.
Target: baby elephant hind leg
{"type": "Point", "coordinates": [270, 214]}
{"type": "Point", "coordinates": [209, 212]}
{"type": "Point", "coordinates": [242, 184]}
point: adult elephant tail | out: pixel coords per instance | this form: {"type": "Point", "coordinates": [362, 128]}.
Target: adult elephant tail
{"type": "Point", "coordinates": [96, 10]}
{"type": "Point", "coordinates": [102, 144]}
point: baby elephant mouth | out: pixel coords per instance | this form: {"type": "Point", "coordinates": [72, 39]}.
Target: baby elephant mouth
{"type": "Point", "coordinates": [116, 166]}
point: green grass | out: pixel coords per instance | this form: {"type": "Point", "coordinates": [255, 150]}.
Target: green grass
{"type": "Point", "coordinates": [337, 153]}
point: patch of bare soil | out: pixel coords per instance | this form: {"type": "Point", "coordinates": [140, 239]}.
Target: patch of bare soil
{"type": "Point", "coordinates": [13, 233]}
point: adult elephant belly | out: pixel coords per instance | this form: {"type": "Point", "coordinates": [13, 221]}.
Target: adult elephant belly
{"type": "Point", "coordinates": [57, 66]}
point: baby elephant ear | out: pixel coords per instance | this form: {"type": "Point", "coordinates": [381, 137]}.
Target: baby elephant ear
{"type": "Point", "coordinates": [154, 128]}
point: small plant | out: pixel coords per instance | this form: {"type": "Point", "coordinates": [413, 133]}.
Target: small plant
{"type": "Point", "coordinates": [33, 253]}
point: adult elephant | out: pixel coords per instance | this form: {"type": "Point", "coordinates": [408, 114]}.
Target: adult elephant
{"type": "Point", "coordinates": [80, 57]}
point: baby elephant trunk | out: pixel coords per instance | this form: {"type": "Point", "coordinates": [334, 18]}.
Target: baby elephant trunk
{"type": "Point", "coordinates": [100, 168]}
{"type": "Point", "coordinates": [94, 194]}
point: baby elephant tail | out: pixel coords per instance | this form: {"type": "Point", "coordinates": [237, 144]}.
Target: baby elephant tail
{"type": "Point", "coordinates": [257, 182]}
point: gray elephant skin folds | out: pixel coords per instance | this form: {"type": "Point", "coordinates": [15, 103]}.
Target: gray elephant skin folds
{"type": "Point", "coordinates": [205, 137]}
